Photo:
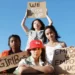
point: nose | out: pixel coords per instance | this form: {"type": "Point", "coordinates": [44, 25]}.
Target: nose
{"type": "Point", "coordinates": [49, 34]}
{"type": "Point", "coordinates": [14, 42]}
{"type": "Point", "coordinates": [37, 24]}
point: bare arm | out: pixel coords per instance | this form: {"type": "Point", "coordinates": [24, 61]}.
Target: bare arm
{"type": "Point", "coordinates": [48, 18]}
{"type": "Point", "coordinates": [23, 23]}
{"type": "Point", "coordinates": [36, 69]}
{"type": "Point", "coordinates": [44, 69]}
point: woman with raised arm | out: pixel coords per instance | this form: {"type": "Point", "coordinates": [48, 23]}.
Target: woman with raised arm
{"type": "Point", "coordinates": [36, 31]}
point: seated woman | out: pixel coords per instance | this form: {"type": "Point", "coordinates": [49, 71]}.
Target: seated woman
{"type": "Point", "coordinates": [53, 43]}
{"type": "Point", "coordinates": [36, 61]}
{"type": "Point", "coordinates": [14, 43]}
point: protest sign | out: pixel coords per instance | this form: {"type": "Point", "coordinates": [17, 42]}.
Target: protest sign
{"type": "Point", "coordinates": [11, 60]}
{"type": "Point", "coordinates": [36, 9]}
{"type": "Point", "coordinates": [64, 61]}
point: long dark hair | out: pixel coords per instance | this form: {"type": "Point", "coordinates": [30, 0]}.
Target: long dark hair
{"type": "Point", "coordinates": [54, 30]}
{"type": "Point", "coordinates": [42, 24]}
{"type": "Point", "coordinates": [15, 36]}
{"type": "Point", "coordinates": [43, 55]}
{"type": "Point", "coordinates": [42, 28]}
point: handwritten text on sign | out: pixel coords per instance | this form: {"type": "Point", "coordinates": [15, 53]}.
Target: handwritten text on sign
{"type": "Point", "coordinates": [64, 60]}
{"type": "Point", "coordinates": [11, 60]}
{"type": "Point", "coordinates": [36, 9]}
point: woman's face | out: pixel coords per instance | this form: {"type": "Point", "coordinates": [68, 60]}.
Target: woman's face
{"type": "Point", "coordinates": [36, 25]}
{"type": "Point", "coordinates": [35, 53]}
{"type": "Point", "coordinates": [14, 43]}
{"type": "Point", "coordinates": [50, 34]}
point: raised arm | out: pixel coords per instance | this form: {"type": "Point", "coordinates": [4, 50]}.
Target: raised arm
{"type": "Point", "coordinates": [23, 23]}
{"type": "Point", "coordinates": [48, 18]}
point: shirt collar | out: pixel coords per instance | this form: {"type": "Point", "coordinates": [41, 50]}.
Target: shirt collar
{"type": "Point", "coordinates": [31, 59]}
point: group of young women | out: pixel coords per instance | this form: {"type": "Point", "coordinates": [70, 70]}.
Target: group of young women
{"type": "Point", "coordinates": [41, 44]}
{"type": "Point", "coordinates": [47, 34]}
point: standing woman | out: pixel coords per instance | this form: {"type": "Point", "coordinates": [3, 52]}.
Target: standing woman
{"type": "Point", "coordinates": [14, 43]}
{"type": "Point", "coordinates": [53, 42]}
{"type": "Point", "coordinates": [36, 31]}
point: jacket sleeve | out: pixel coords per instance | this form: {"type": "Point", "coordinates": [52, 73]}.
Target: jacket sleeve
{"type": "Point", "coordinates": [4, 53]}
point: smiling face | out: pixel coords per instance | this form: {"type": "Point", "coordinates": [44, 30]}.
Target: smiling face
{"type": "Point", "coordinates": [37, 25]}
{"type": "Point", "coordinates": [50, 34]}
{"type": "Point", "coordinates": [36, 52]}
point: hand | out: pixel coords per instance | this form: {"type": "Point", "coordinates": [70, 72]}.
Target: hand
{"type": "Point", "coordinates": [22, 68]}
{"type": "Point", "coordinates": [46, 12]}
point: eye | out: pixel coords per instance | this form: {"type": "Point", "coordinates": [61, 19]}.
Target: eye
{"type": "Point", "coordinates": [47, 33]}
{"type": "Point", "coordinates": [11, 41]}
{"type": "Point", "coordinates": [51, 32]}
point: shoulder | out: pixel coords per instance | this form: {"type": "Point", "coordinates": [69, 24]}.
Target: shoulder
{"type": "Point", "coordinates": [47, 44]}
{"type": "Point", "coordinates": [44, 45]}
{"type": "Point", "coordinates": [5, 53]}
{"type": "Point", "coordinates": [22, 62]}
{"type": "Point", "coordinates": [63, 44]}
{"type": "Point", "coordinates": [31, 31]}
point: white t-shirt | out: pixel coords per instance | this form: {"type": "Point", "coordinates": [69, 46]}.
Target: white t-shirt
{"type": "Point", "coordinates": [50, 52]}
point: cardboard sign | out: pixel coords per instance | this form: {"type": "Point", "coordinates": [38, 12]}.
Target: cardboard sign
{"type": "Point", "coordinates": [64, 61]}
{"type": "Point", "coordinates": [11, 60]}
{"type": "Point", "coordinates": [36, 9]}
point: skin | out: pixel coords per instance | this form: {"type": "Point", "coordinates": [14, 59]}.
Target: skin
{"type": "Point", "coordinates": [24, 26]}
{"type": "Point", "coordinates": [14, 44]}
{"type": "Point", "coordinates": [35, 53]}
{"type": "Point", "coordinates": [50, 34]}
{"type": "Point", "coordinates": [36, 25]}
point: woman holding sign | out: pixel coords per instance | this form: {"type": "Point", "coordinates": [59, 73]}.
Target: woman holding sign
{"type": "Point", "coordinates": [36, 31]}
{"type": "Point", "coordinates": [53, 43]}
{"type": "Point", "coordinates": [36, 62]}
{"type": "Point", "coordinates": [14, 43]}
